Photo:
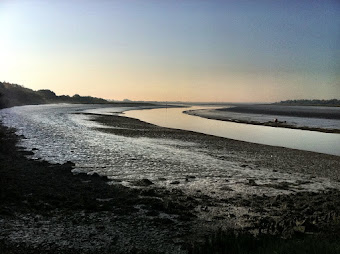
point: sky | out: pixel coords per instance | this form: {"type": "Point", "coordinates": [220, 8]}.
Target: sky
{"type": "Point", "coordinates": [173, 50]}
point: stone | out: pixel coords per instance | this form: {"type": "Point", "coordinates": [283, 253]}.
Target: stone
{"type": "Point", "coordinates": [143, 182]}
{"type": "Point", "coordinates": [252, 182]}
{"type": "Point", "coordinates": [175, 182]}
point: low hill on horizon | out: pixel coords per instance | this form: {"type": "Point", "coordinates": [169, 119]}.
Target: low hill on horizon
{"type": "Point", "coordinates": [17, 95]}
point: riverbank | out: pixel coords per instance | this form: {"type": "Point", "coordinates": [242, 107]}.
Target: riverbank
{"type": "Point", "coordinates": [216, 210]}
{"type": "Point", "coordinates": [45, 208]}
{"type": "Point", "coordinates": [277, 158]}
{"type": "Point", "coordinates": [294, 111]}
{"type": "Point", "coordinates": [321, 119]}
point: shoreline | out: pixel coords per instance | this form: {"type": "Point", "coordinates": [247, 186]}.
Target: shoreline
{"type": "Point", "coordinates": [284, 110]}
{"type": "Point", "coordinates": [135, 128]}
{"type": "Point", "coordinates": [95, 217]}
{"type": "Point", "coordinates": [37, 196]}
{"type": "Point", "coordinates": [208, 115]}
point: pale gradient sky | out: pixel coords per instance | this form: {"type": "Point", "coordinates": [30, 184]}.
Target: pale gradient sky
{"type": "Point", "coordinates": [172, 50]}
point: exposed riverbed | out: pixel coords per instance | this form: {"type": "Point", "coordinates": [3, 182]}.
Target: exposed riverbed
{"type": "Point", "coordinates": [61, 133]}
{"type": "Point", "coordinates": [216, 182]}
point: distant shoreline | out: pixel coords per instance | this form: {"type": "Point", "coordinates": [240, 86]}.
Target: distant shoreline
{"type": "Point", "coordinates": [310, 103]}
{"type": "Point", "coordinates": [285, 110]}
{"type": "Point", "coordinates": [269, 111]}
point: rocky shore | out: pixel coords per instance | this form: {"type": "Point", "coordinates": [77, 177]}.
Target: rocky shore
{"type": "Point", "coordinates": [44, 208]}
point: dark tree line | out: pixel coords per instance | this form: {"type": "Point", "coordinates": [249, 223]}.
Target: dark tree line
{"type": "Point", "coordinates": [16, 95]}
{"type": "Point", "coordinates": [332, 102]}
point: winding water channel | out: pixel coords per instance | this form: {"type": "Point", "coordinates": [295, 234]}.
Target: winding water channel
{"type": "Point", "coordinates": [60, 135]}
{"type": "Point", "coordinates": [328, 143]}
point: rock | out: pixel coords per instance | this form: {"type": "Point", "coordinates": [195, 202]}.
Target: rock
{"type": "Point", "coordinates": [163, 221]}
{"type": "Point", "coordinates": [27, 152]}
{"type": "Point", "coordinates": [300, 229]}
{"type": "Point", "coordinates": [204, 208]}
{"type": "Point", "coordinates": [245, 202]}
{"type": "Point", "coordinates": [252, 182]}
{"type": "Point", "coordinates": [300, 223]}
{"type": "Point", "coordinates": [178, 241]}
{"type": "Point", "coordinates": [226, 188]}
{"type": "Point", "coordinates": [175, 182]}
{"type": "Point", "coordinates": [299, 182]}
{"type": "Point", "coordinates": [69, 164]}
{"type": "Point", "coordinates": [152, 213]}
{"type": "Point", "coordinates": [143, 182]}
{"type": "Point", "coordinates": [95, 175]}
{"type": "Point", "coordinates": [283, 186]}
{"type": "Point", "coordinates": [148, 192]}
{"type": "Point", "coordinates": [310, 225]}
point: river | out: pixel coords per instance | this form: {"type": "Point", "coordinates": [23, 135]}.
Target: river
{"type": "Point", "coordinates": [59, 134]}
{"type": "Point", "coordinates": [328, 143]}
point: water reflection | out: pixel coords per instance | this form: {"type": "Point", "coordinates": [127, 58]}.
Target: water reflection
{"type": "Point", "coordinates": [298, 139]}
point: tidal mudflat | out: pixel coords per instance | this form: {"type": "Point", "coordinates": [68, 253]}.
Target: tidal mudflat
{"type": "Point", "coordinates": [322, 119]}
{"type": "Point", "coordinates": [152, 188]}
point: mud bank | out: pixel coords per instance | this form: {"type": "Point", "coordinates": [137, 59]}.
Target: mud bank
{"type": "Point", "coordinates": [282, 214]}
{"type": "Point", "coordinates": [294, 111]}
{"type": "Point", "coordinates": [256, 155]}
{"type": "Point", "coordinates": [44, 208]}
{"type": "Point", "coordinates": [266, 115]}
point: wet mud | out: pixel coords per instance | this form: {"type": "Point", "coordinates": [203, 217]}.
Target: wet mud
{"type": "Point", "coordinates": [46, 208]}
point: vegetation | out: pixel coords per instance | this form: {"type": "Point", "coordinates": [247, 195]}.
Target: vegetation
{"type": "Point", "coordinates": [245, 243]}
{"type": "Point", "coordinates": [332, 103]}
{"type": "Point", "coordinates": [16, 95]}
